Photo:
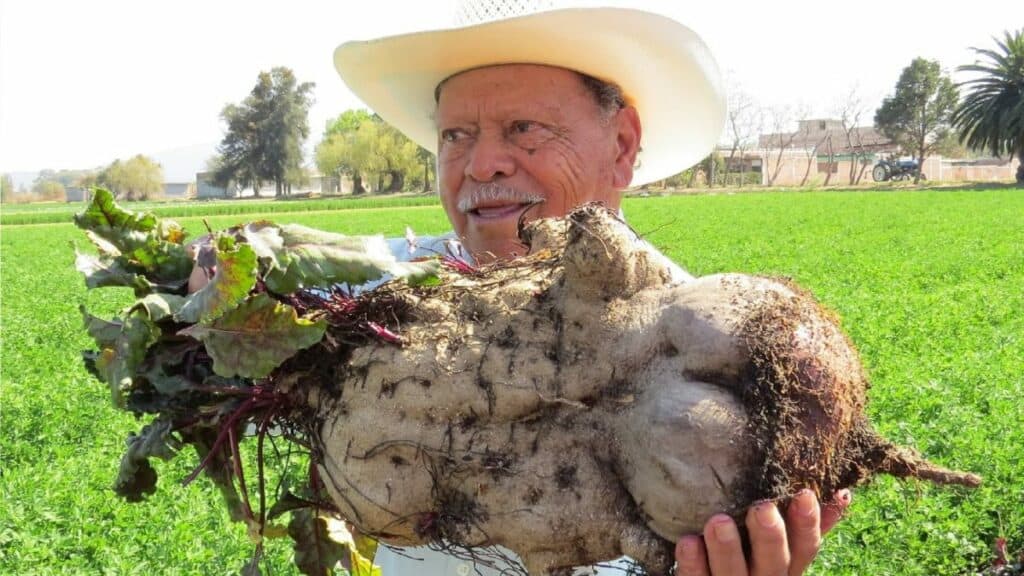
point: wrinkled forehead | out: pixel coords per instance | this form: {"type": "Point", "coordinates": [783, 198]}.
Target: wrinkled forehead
{"type": "Point", "coordinates": [512, 71]}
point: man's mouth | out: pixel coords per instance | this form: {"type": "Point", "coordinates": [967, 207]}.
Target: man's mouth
{"type": "Point", "coordinates": [499, 211]}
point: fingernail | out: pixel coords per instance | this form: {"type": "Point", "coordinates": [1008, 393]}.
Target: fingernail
{"type": "Point", "coordinates": [805, 502]}
{"type": "Point", "coordinates": [688, 548]}
{"type": "Point", "coordinates": [725, 530]}
{"type": "Point", "coordinates": [766, 514]}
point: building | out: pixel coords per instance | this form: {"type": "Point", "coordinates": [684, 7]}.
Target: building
{"type": "Point", "coordinates": [179, 190]}
{"type": "Point", "coordinates": [822, 151]}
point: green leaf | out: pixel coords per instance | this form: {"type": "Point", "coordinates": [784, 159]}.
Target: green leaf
{"type": "Point", "coordinates": [105, 248]}
{"type": "Point", "coordinates": [315, 552]}
{"type": "Point", "coordinates": [136, 478]}
{"type": "Point", "coordinates": [107, 219]}
{"type": "Point", "coordinates": [235, 277]}
{"type": "Point", "coordinates": [256, 337]}
{"type": "Point", "coordinates": [104, 332]}
{"type": "Point", "coordinates": [117, 362]}
{"type": "Point", "coordinates": [311, 258]}
{"type": "Point", "coordinates": [160, 260]}
{"type": "Point", "coordinates": [160, 305]}
{"type": "Point", "coordinates": [142, 243]}
{"type": "Point", "coordinates": [105, 272]}
{"type": "Point", "coordinates": [165, 384]}
{"type": "Point", "coordinates": [265, 239]}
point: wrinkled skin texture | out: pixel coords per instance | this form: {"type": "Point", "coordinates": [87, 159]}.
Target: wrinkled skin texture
{"type": "Point", "coordinates": [575, 406]}
{"type": "Point", "coordinates": [510, 133]}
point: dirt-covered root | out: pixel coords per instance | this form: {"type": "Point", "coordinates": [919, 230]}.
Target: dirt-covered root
{"type": "Point", "coordinates": [584, 403]}
{"type": "Point", "coordinates": [806, 398]}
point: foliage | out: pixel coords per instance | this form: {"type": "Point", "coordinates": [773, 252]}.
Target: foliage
{"type": "Point", "coordinates": [201, 362]}
{"type": "Point", "coordinates": [48, 190]}
{"type": "Point", "coordinates": [6, 188]}
{"type": "Point", "coordinates": [940, 331]}
{"type": "Point", "coordinates": [917, 115]}
{"type": "Point", "coordinates": [364, 146]}
{"type": "Point", "coordinates": [265, 133]}
{"type": "Point", "coordinates": [138, 178]}
{"type": "Point", "coordinates": [991, 115]}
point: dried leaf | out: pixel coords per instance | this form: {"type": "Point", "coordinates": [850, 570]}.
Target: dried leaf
{"type": "Point", "coordinates": [256, 337]}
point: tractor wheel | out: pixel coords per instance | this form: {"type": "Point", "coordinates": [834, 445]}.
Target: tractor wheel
{"type": "Point", "coordinates": [879, 173]}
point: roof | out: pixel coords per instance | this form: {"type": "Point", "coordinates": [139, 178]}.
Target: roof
{"type": "Point", "coordinates": [861, 138]}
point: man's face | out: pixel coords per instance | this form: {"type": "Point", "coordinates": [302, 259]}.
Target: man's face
{"type": "Point", "coordinates": [525, 138]}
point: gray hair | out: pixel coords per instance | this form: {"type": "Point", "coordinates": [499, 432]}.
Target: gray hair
{"type": "Point", "coordinates": [607, 95]}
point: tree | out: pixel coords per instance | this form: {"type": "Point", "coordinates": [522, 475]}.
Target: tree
{"type": "Point", "coordinates": [6, 188]}
{"type": "Point", "coordinates": [744, 121]}
{"type": "Point", "coordinates": [429, 161]}
{"type": "Point", "coordinates": [850, 109]}
{"type": "Point", "coordinates": [991, 116]}
{"type": "Point", "coordinates": [918, 114]}
{"type": "Point", "coordinates": [138, 178]}
{"type": "Point", "coordinates": [781, 119]}
{"type": "Point", "coordinates": [49, 190]}
{"type": "Point", "coordinates": [362, 145]}
{"type": "Point", "coordinates": [265, 133]}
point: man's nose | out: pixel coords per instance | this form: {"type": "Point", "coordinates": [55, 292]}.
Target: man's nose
{"type": "Point", "coordinates": [491, 157]}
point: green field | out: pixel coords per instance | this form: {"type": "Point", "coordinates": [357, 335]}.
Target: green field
{"type": "Point", "coordinates": [58, 212]}
{"type": "Point", "coordinates": [929, 285]}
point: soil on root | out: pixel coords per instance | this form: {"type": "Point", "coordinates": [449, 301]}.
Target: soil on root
{"type": "Point", "coordinates": [805, 399]}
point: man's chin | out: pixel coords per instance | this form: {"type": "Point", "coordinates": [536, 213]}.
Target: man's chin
{"type": "Point", "coordinates": [486, 252]}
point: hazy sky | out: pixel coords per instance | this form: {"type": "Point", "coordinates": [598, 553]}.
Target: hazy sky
{"type": "Point", "coordinates": [85, 82]}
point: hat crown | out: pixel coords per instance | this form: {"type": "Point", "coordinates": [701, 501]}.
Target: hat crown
{"type": "Point", "coordinates": [472, 12]}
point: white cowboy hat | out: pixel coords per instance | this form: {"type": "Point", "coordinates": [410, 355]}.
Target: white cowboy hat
{"type": "Point", "coordinates": [663, 68]}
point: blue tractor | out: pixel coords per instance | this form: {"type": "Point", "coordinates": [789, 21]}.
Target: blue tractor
{"type": "Point", "coordinates": [896, 169]}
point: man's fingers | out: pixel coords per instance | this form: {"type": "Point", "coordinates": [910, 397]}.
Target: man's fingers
{"type": "Point", "coordinates": [832, 512]}
{"type": "Point", "coordinates": [691, 557]}
{"type": "Point", "coordinates": [769, 548]}
{"type": "Point", "coordinates": [803, 530]}
{"type": "Point", "coordinates": [724, 549]}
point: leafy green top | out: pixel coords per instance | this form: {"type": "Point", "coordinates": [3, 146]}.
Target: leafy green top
{"type": "Point", "coordinates": [199, 361]}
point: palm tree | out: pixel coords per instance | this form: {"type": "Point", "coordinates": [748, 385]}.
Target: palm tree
{"type": "Point", "coordinates": [991, 116]}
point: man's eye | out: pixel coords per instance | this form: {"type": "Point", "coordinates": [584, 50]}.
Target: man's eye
{"type": "Point", "coordinates": [452, 134]}
{"type": "Point", "coordinates": [524, 126]}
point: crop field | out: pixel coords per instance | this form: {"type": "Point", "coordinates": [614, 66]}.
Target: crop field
{"type": "Point", "coordinates": [929, 285]}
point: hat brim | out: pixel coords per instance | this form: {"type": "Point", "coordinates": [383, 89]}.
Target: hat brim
{"type": "Point", "coordinates": [663, 68]}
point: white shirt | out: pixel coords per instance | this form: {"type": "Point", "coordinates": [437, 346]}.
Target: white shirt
{"type": "Point", "coordinates": [421, 560]}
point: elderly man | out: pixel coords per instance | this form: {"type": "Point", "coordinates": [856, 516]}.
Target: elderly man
{"type": "Point", "coordinates": [533, 115]}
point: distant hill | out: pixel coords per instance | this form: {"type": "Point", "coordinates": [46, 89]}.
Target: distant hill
{"type": "Point", "coordinates": [181, 164]}
{"type": "Point", "coordinates": [23, 178]}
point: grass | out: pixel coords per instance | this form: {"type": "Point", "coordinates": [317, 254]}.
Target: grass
{"type": "Point", "coordinates": [55, 213]}
{"type": "Point", "coordinates": [928, 284]}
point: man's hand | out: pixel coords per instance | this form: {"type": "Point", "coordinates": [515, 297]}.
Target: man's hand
{"type": "Point", "coordinates": [200, 275]}
{"type": "Point", "coordinates": [777, 546]}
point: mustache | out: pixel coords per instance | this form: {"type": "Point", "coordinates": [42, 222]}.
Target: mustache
{"type": "Point", "coordinates": [496, 193]}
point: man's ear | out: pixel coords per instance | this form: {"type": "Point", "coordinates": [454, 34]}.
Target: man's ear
{"type": "Point", "coordinates": [627, 125]}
